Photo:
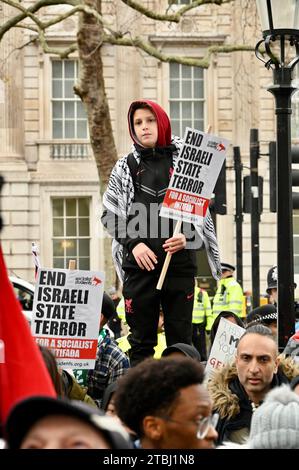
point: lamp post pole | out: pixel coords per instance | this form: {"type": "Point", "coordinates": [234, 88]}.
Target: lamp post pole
{"type": "Point", "coordinates": [282, 91]}
{"type": "Point", "coordinates": [239, 214]}
{"type": "Point", "coordinates": [280, 24]}
{"type": "Point", "coordinates": [255, 217]}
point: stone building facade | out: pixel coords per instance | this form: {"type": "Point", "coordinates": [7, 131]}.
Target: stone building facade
{"type": "Point", "coordinates": [52, 196]}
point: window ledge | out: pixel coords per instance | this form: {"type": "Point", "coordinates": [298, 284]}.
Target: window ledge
{"type": "Point", "coordinates": [186, 38]}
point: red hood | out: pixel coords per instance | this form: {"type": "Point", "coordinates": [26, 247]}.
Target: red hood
{"type": "Point", "coordinates": [164, 127]}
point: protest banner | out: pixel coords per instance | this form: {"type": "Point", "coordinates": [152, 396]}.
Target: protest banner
{"type": "Point", "coordinates": [192, 182]}
{"type": "Point", "coordinates": [224, 346]}
{"type": "Point", "coordinates": [66, 314]}
{"type": "Point", "coordinates": [23, 372]}
{"type": "Point", "coordinates": [194, 177]}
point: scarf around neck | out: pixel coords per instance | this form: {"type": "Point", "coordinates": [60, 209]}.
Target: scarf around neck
{"type": "Point", "coordinates": [119, 197]}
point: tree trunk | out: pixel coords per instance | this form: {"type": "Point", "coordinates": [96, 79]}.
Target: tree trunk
{"type": "Point", "coordinates": [91, 90]}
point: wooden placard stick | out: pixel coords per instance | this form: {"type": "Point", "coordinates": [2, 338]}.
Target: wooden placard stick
{"type": "Point", "coordinates": [168, 256]}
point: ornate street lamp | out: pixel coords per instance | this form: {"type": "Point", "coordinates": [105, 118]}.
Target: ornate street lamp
{"type": "Point", "coordinates": [279, 50]}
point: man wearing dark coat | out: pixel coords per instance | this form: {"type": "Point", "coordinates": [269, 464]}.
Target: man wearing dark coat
{"type": "Point", "coordinates": [239, 388]}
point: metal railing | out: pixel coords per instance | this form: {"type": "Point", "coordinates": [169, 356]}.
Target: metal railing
{"type": "Point", "coordinates": [70, 150]}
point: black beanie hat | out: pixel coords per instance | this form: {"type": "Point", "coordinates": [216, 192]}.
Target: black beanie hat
{"type": "Point", "coordinates": [29, 411]}
{"type": "Point", "coordinates": [186, 349]}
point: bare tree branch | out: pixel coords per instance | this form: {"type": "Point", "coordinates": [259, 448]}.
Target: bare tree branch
{"type": "Point", "coordinates": [174, 17]}
{"type": "Point", "coordinates": [59, 18]}
{"type": "Point", "coordinates": [114, 37]}
{"type": "Point", "coordinates": [14, 20]}
{"type": "Point", "coordinates": [154, 52]}
{"type": "Point", "coordinates": [27, 26]}
{"type": "Point", "coordinates": [62, 53]}
{"type": "Point", "coordinates": [62, 17]}
{"type": "Point", "coordinates": [43, 26]}
{"type": "Point", "coordinates": [15, 49]}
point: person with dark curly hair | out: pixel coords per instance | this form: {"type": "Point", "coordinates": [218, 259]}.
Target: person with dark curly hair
{"type": "Point", "coordinates": [165, 403]}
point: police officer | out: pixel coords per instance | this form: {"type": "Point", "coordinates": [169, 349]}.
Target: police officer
{"type": "Point", "coordinates": [273, 293]}
{"type": "Point", "coordinates": [272, 285]}
{"type": "Point", "coordinates": [229, 294]}
{"type": "Point", "coordinates": [121, 309]}
{"type": "Point", "coordinates": [201, 320]}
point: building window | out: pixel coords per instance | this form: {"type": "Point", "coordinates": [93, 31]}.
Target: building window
{"type": "Point", "coordinates": [71, 232]}
{"type": "Point", "coordinates": [186, 98]}
{"type": "Point", "coordinates": [68, 114]}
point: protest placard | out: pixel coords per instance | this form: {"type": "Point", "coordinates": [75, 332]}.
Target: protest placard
{"type": "Point", "coordinates": [66, 314]}
{"type": "Point", "coordinates": [194, 177]}
{"type": "Point", "coordinates": [224, 346]}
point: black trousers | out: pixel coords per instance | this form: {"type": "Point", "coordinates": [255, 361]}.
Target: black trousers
{"type": "Point", "coordinates": [199, 339]}
{"type": "Point", "coordinates": [142, 306]}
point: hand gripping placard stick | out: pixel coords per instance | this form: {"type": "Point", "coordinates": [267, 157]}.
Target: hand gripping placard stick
{"type": "Point", "coordinates": [168, 256]}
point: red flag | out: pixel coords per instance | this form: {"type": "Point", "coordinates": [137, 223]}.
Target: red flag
{"type": "Point", "coordinates": [23, 372]}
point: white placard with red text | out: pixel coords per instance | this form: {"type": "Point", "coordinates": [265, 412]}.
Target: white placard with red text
{"type": "Point", "coordinates": [194, 177]}
{"type": "Point", "coordinates": [66, 315]}
{"type": "Point", "coordinates": [224, 346]}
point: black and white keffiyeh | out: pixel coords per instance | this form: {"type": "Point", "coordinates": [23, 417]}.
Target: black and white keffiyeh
{"type": "Point", "coordinates": [118, 199]}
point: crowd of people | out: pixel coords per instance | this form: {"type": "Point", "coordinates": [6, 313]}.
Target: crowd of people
{"type": "Point", "coordinates": [148, 389]}
{"type": "Point", "coordinates": [167, 403]}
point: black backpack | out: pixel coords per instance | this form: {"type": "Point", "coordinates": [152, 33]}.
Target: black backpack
{"type": "Point", "coordinates": [133, 167]}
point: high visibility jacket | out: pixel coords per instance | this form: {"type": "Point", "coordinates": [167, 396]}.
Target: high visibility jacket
{"type": "Point", "coordinates": [124, 344]}
{"type": "Point", "coordinates": [120, 309]}
{"type": "Point", "coordinates": [229, 296]}
{"type": "Point", "coordinates": [202, 310]}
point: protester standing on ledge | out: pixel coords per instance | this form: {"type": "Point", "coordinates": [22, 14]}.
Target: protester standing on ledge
{"type": "Point", "coordinates": [136, 188]}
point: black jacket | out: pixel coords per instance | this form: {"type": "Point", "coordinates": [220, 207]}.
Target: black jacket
{"type": "Point", "coordinates": [144, 224]}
